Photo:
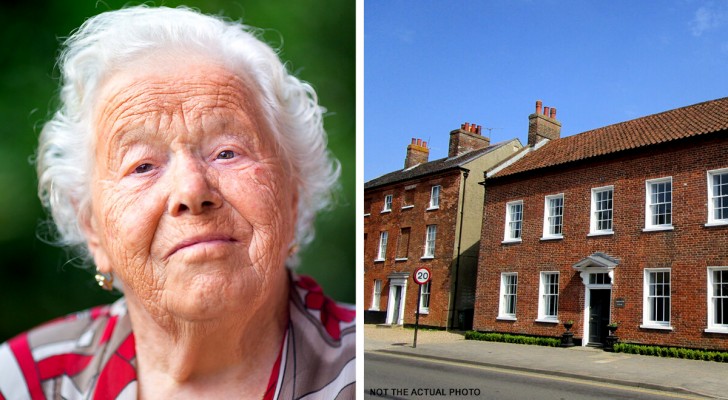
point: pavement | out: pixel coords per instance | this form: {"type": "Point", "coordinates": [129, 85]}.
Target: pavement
{"type": "Point", "coordinates": [704, 378]}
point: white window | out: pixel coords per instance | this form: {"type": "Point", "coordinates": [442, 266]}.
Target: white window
{"type": "Point", "coordinates": [658, 204]}
{"type": "Point", "coordinates": [430, 241]}
{"type": "Point", "coordinates": [425, 298]}
{"type": "Point", "coordinates": [387, 203]}
{"type": "Point", "coordinates": [382, 253]}
{"type": "Point", "coordinates": [553, 219]}
{"type": "Point", "coordinates": [656, 306]}
{"type": "Point", "coordinates": [509, 286]}
{"type": "Point", "coordinates": [601, 210]}
{"type": "Point", "coordinates": [435, 197]}
{"type": "Point", "coordinates": [376, 295]}
{"type": "Point", "coordinates": [718, 299]}
{"type": "Point", "coordinates": [718, 196]}
{"type": "Point", "coordinates": [548, 304]}
{"type": "Point", "coordinates": [514, 219]}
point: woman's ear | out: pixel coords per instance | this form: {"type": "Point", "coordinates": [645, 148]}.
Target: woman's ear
{"type": "Point", "coordinates": [96, 247]}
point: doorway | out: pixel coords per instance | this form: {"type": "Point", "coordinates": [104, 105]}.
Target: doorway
{"type": "Point", "coordinates": [394, 319]}
{"type": "Point", "coordinates": [599, 301]}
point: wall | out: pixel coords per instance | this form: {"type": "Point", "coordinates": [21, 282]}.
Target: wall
{"type": "Point", "coordinates": [417, 219]}
{"type": "Point", "coordinates": [688, 249]}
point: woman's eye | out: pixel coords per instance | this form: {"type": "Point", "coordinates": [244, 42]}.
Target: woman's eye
{"type": "Point", "coordinates": [226, 155]}
{"type": "Point", "coordinates": [143, 168]}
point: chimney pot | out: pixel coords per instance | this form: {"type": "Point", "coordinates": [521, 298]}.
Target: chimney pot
{"type": "Point", "coordinates": [479, 130]}
{"type": "Point", "coordinates": [462, 126]}
{"type": "Point", "coordinates": [414, 141]}
{"type": "Point", "coordinates": [424, 144]}
{"type": "Point", "coordinates": [419, 142]}
{"type": "Point", "coordinates": [467, 127]}
{"type": "Point", "coordinates": [546, 111]}
{"type": "Point", "coordinates": [553, 113]}
{"type": "Point", "coordinates": [538, 106]}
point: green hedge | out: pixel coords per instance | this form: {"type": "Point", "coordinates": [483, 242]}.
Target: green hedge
{"type": "Point", "coordinates": [674, 352]}
{"type": "Point", "coordinates": [507, 338]}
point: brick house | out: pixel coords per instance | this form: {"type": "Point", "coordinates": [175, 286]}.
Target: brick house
{"type": "Point", "coordinates": [428, 214]}
{"type": "Point", "coordinates": [627, 223]}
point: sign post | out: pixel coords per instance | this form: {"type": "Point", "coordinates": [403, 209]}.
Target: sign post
{"type": "Point", "coordinates": [421, 276]}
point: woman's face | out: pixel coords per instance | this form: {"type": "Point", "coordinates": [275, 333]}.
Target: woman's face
{"type": "Point", "coordinates": [192, 206]}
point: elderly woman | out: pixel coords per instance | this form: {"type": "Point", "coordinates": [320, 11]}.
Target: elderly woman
{"type": "Point", "coordinates": [190, 165]}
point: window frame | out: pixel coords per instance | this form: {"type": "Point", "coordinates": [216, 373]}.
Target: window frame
{"type": "Point", "coordinates": [429, 251]}
{"type": "Point", "coordinates": [507, 237]}
{"type": "Point", "coordinates": [382, 248]}
{"type": "Point", "coordinates": [425, 294]}
{"type": "Point", "coordinates": [712, 221]}
{"type": "Point", "coordinates": [547, 235]}
{"type": "Point", "coordinates": [648, 299]}
{"type": "Point", "coordinates": [503, 303]}
{"type": "Point", "coordinates": [542, 297]}
{"type": "Point", "coordinates": [387, 207]}
{"type": "Point", "coordinates": [649, 226]}
{"type": "Point", "coordinates": [376, 295]}
{"type": "Point", "coordinates": [593, 220]}
{"type": "Point", "coordinates": [712, 326]}
{"type": "Point", "coordinates": [431, 205]}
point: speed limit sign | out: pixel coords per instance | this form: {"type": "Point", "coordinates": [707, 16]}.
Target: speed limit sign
{"type": "Point", "coordinates": [422, 275]}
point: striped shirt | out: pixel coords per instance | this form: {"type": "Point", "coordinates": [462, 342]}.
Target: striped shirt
{"type": "Point", "coordinates": [91, 354]}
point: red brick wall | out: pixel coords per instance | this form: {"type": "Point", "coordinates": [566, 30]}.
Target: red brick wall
{"type": "Point", "coordinates": [688, 249]}
{"type": "Point", "coordinates": [417, 219]}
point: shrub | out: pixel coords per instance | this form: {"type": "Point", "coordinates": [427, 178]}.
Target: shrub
{"type": "Point", "coordinates": [675, 352]}
{"type": "Point", "coordinates": [516, 339]}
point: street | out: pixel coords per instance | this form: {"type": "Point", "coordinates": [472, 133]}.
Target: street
{"type": "Point", "coordinates": [394, 376]}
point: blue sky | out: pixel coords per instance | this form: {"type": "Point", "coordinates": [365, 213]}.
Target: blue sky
{"type": "Point", "coordinates": [431, 65]}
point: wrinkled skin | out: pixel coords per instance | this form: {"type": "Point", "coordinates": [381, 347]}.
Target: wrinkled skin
{"type": "Point", "coordinates": [193, 209]}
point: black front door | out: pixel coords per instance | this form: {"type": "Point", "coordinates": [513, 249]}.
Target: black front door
{"type": "Point", "coordinates": [598, 315]}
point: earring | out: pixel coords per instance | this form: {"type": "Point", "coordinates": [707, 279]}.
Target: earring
{"type": "Point", "coordinates": [106, 281]}
{"type": "Point", "coordinates": [293, 250]}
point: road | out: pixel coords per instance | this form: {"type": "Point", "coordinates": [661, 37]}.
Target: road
{"type": "Point", "coordinates": [389, 376]}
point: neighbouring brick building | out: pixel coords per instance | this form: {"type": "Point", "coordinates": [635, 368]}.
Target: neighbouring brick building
{"type": "Point", "coordinates": [428, 214]}
{"type": "Point", "coordinates": [627, 223]}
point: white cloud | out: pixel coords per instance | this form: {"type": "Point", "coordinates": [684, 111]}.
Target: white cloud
{"type": "Point", "coordinates": [707, 18]}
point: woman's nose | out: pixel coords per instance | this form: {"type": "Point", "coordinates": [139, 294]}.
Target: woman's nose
{"type": "Point", "coordinates": [192, 192]}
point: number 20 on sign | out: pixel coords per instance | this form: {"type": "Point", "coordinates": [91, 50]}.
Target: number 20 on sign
{"type": "Point", "coordinates": [421, 276]}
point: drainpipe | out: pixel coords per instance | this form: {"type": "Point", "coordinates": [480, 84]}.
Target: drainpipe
{"type": "Point", "coordinates": [460, 239]}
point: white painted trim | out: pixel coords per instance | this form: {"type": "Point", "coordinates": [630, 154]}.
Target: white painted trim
{"type": "Point", "coordinates": [408, 207]}
{"type": "Point", "coordinates": [711, 207]}
{"type": "Point", "coordinates": [646, 323]}
{"type": "Point", "coordinates": [546, 209]}
{"type": "Point", "coordinates": [657, 327]}
{"type": "Point", "coordinates": [649, 227]}
{"type": "Point", "coordinates": [507, 229]}
{"type": "Point", "coordinates": [592, 211]}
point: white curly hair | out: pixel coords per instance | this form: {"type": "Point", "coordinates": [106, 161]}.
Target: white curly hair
{"type": "Point", "coordinates": [114, 40]}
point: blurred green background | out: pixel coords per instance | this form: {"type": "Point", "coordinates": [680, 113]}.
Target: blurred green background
{"type": "Point", "coordinates": [37, 283]}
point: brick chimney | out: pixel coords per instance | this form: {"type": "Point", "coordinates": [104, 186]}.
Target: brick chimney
{"type": "Point", "coordinates": [466, 139]}
{"type": "Point", "coordinates": [543, 125]}
{"type": "Point", "coordinates": [417, 153]}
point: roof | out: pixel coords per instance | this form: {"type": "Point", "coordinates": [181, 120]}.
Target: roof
{"type": "Point", "coordinates": [428, 168]}
{"type": "Point", "coordinates": [698, 119]}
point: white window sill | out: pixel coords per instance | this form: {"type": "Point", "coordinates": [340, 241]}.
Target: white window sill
{"type": "Point", "coordinates": [378, 260]}
{"type": "Point", "coordinates": [401, 259]}
{"type": "Point", "coordinates": [432, 208]}
{"type": "Point", "coordinates": [508, 241]}
{"type": "Point", "coordinates": [386, 211]}
{"type": "Point", "coordinates": [424, 311]}
{"type": "Point", "coordinates": [658, 228]}
{"type": "Point", "coordinates": [716, 330]}
{"type": "Point", "coordinates": [506, 318]}
{"type": "Point", "coordinates": [367, 214]}
{"type": "Point", "coordinates": [373, 309]}
{"type": "Point", "coordinates": [716, 223]}
{"type": "Point", "coordinates": [552, 237]}
{"type": "Point", "coordinates": [427, 257]}
{"type": "Point", "coordinates": [408, 207]}
{"type": "Point", "coordinates": [658, 327]}
{"type": "Point", "coordinates": [601, 233]}
{"type": "Point", "coordinates": [547, 320]}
